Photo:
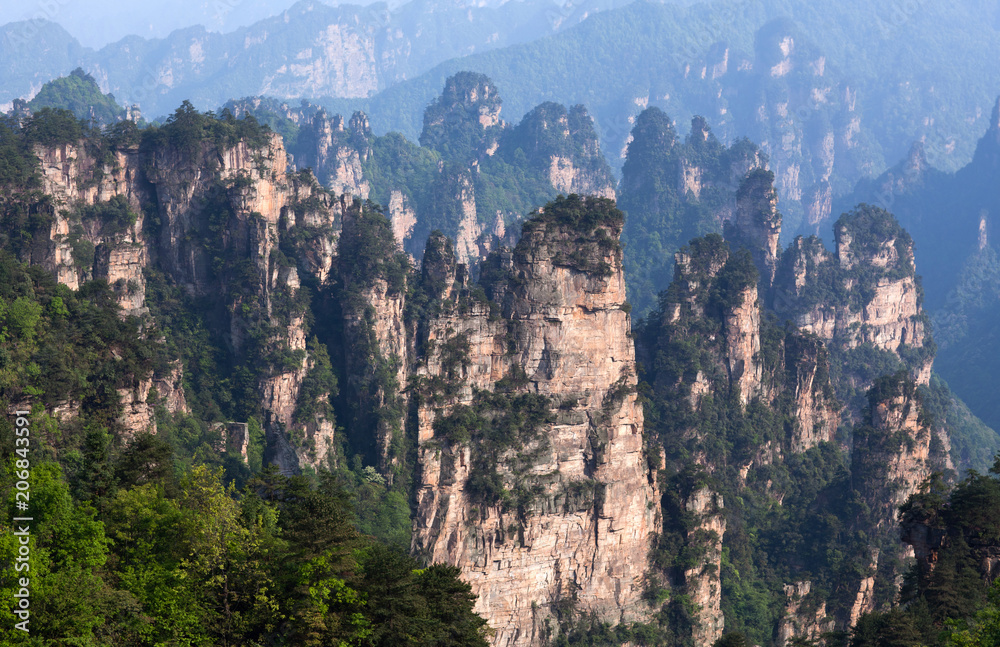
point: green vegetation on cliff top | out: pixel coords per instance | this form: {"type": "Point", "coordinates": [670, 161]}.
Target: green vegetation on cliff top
{"type": "Point", "coordinates": [79, 93]}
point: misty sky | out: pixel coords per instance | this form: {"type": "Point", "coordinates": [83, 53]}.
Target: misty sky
{"type": "Point", "coordinates": [96, 23]}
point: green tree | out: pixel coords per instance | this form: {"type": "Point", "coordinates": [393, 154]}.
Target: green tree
{"type": "Point", "coordinates": [983, 629]}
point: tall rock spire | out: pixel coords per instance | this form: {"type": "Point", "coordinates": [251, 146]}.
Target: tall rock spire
{"type": "Point", "coordinates": [533, 475]}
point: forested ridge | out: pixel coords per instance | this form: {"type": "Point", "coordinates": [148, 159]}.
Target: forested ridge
{"type": "Point", "coordinates": [184, 538]}
{"type": "Point", "coordinates": [169, 539]}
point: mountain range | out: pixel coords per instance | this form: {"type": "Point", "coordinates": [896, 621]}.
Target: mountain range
{"type": "Point", "coordinates": [678, 327]}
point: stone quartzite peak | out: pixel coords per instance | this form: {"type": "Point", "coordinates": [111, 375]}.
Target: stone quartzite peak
{"type": "Point", "coordinates": [561, 340]}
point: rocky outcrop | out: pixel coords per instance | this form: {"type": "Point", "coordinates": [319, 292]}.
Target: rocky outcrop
{"type": "Point", "coordinates": [170, 389]}
{"type": "Point", "coordinates": [817, 204]}
{"type": "Point", "coordinates": [121, 264]}
{"type": "Point", "coordinates": [402, 216]}
{"type": "Point", "coordinates": [690, 180]}
{"type": "Point", "coordinates": [892, 454]}
{"type": "Point", "coordinates": [252, 187]}
{"type": "Point", "coordinates": [210, 201]}
{"type": "Point", "coordinates": [756, 223]}
{"type": "Point", "coordinates": [279, 397]}
{"type": "Point", "coordinates": [866, 292]}
{"type": "Point", "coordinates": [469, 102]}
{"type": "Point", "coordinates": [472, 175]}
{"type": "Point", "coordinates": [660, 176]}
{"type": "Point", "coordinates": [71, 174]}
{"type": "Point", "coordinates": [572, 521]}
{"type": "Point", "coordinates": [892, 451]}
{"type": "Point", "coordinates": [137, 414]}
{"type": "Point", "coordinates": [97, 221]}
{"type": "Point", "coordinates": [797, 367]}
{"type": "Point", "coordinates": [742, 334]}
{"type": "Point", "coordinates": [567, 178]}
{"type": "Point", "coordinates": [807, 152]}
{"type": "Point", "coordinates": [703, 584]}
{"type": "Point", "coordinates": [807, 376]}
{"type": "Point", "coordinates": [140, 401]}
{"type": "Point", "coordinates": [233, 437]}
{"type": "Point", "coordinates": [565, 146]}
{"type": "Point", "coordinates": [376, 334]}
{"type": "Point", "coordinates": [805, 615]}
{"type": "Point", "coordinates": [907, 177]}
{"type": "Point", "coordinates": [469, 228]}
{"type": "Point", "coordinates": [339, 151]}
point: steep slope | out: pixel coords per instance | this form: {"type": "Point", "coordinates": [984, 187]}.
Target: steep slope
{"type": "Point", "coordinates": [673, 192]}
{"type": "Point", "coordinates": [894, 451]}
{"type": "Point", "coordinates": [952, 219]}
{"type": "Point", "coordinates": [533, 474]}
{"type": "Point", "coordinates": [277, 309]}
{"type": "Point", "coordinates": [740, 406]}
{"type": "Point", "coordinates": [829, 105]}
{"type": "Point", "coordinates": [201, 209]}
{"type": "Point", "coordinates": [770, 480]}
{"type": "Point", "coordinates": [311, 49]}
{"type": "Point", "coordinates": [473, 176]}
{"type": "Point", "coordinates": [863, 299]}
{"type": "Point", "coordinates": [736, 468]}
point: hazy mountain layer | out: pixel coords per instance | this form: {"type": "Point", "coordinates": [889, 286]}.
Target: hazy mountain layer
{"type": "Point", "coordinates": [953, 218]}
{"type": "Point", "coordinates": [473, 176]}
{"type": "Point", "coordinates": [178, 296]}
{"type": "Point", "coordinates": [831, 96]}
{"type": "Point", "coordinates": [310, 50]}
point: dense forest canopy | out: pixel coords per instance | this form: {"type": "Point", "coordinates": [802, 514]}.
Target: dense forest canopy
{"type": "Point", "coordinates": [304, 355]}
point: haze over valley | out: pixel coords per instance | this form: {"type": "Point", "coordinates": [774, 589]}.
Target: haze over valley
{"type": "Point", "coordinates": [500, 323]}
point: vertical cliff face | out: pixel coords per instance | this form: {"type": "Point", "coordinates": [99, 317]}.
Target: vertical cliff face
{"type": "Point", "coordinates": [703, 584]}
{"type": "Point", "coordinates": [373, 275]}
{"type": "Point", "coordinates": [338, 152]}
{"type": "Point", "coordinates": [802, 618]}
{"type": "Point", "coordinates": [817, 203]}
{"type": "Point", "coordinates": [469, 107]}
{"type": "Point", "coordinates": [96, 231]}
{"type": "Point", "coordinates": [805, 120]}
{"type": "Point", "coordinates": [469, 229]}
{"type": "Point", "coordinates": [565, 147]}
{"type": "Point", "coordinates": [471, 174]}
{"type": "Point", "coordinates": [891, 455]}
{"type": "Point", "coordinates": [864, 294]}
{"type": "Point", "coordinates": [674, 191]}
{"type": "Point", "coordinates": [236, 203]}
{"type": "Point", "coordinates": [735, 397]}
{"type": "Point", "coordinates": [756, 223]}
{"type": "Point", "coordinates": [402, 216]}
{"type": "Point", "coordinates": [713, 303]}
{"type": "Point", "coordinates": [210, 215]}
{"type": "Point", "coordinates": [552, 502]}
{"type": "Point", "coordinates": [893, 452]}
{"type": "Point", "coordinates": [807, 377]}
{"type": "Point", "coordinates": [742, 353]}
